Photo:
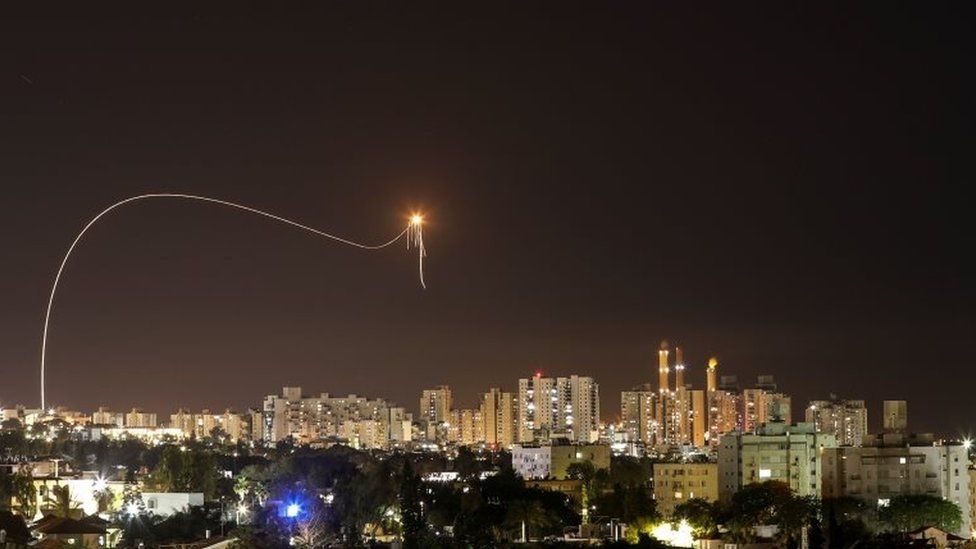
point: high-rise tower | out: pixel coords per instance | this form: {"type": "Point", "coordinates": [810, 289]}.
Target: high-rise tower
{"type": "Point", "coordinates": [662, 367]}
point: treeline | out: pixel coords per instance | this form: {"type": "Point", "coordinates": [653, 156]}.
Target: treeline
{"type": "Point", "coordinates": [839, 522]}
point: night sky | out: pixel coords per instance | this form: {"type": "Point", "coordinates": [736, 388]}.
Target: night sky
{"type": "Point", "coordinates": [782, 187]}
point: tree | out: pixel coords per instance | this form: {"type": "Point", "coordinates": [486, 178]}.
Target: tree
{"type": "Point", "coordinates": [6, 489]}
{"type": "Point", "coordinates": [182, 470]}
{"type": "Point", "coordinates": [411, 510]}
{"type": "Point", "coordinates": [793, 514]}
{"type": "Point", "coordinates": [906, 513]}
{"type": "Point", "coordinates": [585, 472]}
{"type": "Point", "coordinates": [310, 534]}
{"type": "Point", "coordinates": [629, 503]}
{"type": "Point", "coordinates": [104, 498]}
{"type": "Point", "coordinates": [22, 486]}
{"type": "Point", "coordinates": [527, 512]}
{"type": "Point", "coordinates": [60, 502]}
{"type": "Point", "coordinates": [631, 471]}
{"type": "Point", "coordinates": [770, 502]}
{"type": "Point", "coordinates": [466, 464]}
{"type": "Point", "coordinates": [700, 515]}
{"type": "Point", "coordinates": [219, 436]}
{"type": "Point", "coordinates": [847, 520]}
{"type": "Point", "coordinates": [12, 438]}
{"type": "Point", "coordinates": [132, 502]}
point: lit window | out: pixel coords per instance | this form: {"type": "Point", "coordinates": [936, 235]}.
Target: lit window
{"type": "Point", "coordinates": [765, 473]}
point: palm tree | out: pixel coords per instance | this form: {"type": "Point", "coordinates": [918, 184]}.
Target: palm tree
{"type": "Point", "coordinates": [59, 502]}
{"type": "Point", "coordinates": [527, 512]}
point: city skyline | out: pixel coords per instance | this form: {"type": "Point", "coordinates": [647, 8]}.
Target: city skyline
{"type": "Point", "coordinates": [591, 187]}
{"type": "Point", "coordinates": [740, 406]}
{"type": "Point", "coordinates": [430, 275]}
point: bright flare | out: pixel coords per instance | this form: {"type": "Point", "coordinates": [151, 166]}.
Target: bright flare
{"type": "Point", "coordinates": [415, 237]}
{"type": "Point", "coordinates": [675, 537]}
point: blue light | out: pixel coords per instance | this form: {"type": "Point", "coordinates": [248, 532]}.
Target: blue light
{"type": "Point", "coordinates": [292, 510]}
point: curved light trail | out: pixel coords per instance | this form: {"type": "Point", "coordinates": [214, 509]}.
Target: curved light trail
{"type": "Point", "coordinates": [413, 233]}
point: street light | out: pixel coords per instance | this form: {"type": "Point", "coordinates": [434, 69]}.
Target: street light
{"type": "Point", "coordinates": [292, 510]}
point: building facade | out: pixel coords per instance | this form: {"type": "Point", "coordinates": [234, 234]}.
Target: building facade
{"type": "Point", "coordinates": [792, 454]}
{"type": "Point", "coordinates": [561, 407]}
{"type": "Point", "coordinates": [436, 405]}
{"type": "Point", "coordinates": [315, 419]}
{"type": "Point", "coordinates": [554, 461]}
{"type": "Point", "coordinates": [140, 418]}
{"type": "Point", "coordinates": [894, 464]}
{"type": "Point", "coordinates": [847, 420]}
{"type": "Point", "coordinates": [637, 414]}
{"type": "Point", "coordinates": [205, 424]}
{"type": "Point", "coordinates": [764, 403]}
{"type": "Point", "coordinates": [498, 416]}
{"type": "Point", "coordinates": [676, 483]}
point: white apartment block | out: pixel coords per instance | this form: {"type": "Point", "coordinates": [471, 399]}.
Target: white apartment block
{"type": "Point", "coordinates": [364, 434]}
{"type": "Point", "coordinates": [436, 405]}
{"type": "Point", "coordinates": [140, 419]}
{"type": "Point", "coordinates": [308, 419]}
{"type": "Point", "coordinates": [532, 462]}
{"type": "Point", "coordinates": [847, 420]}
{"type": "Point", "coordinates": [537, 406]}
{"type": "Point", "coordinates": [203, 424]}
{"type": "Point", "coordinates": [400, 425]}
{"type": "Point", "coordinates": [724, 414]}
{"type": "Point", "coordinates": [762, 405]}
{"type": "Point", "coordinates": [106, 418]}
{"type": "Point", "coordinates": [894, 464]}
{"type": "Point", "coordinates": [558, 407]}
{"type": "Point", "coordinates": [637, 414]}
{"type": "Point", "coordinates": [792, 454]}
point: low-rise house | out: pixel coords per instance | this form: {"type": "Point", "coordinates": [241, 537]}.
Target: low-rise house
{"type": "Point", "coordinates": [14, 533]}
{"type": "Point", "coordinates": [72, 532]}
{"type": "Point", "coordinates": [936, 537]}
{"type": "Point", "coordinates": [164, 504]}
